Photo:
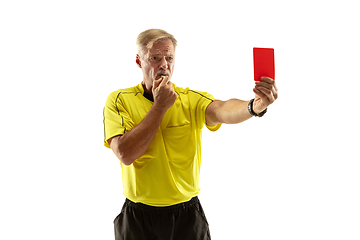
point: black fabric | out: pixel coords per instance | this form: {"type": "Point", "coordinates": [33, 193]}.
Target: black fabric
{"type": "Point", "coordinates": [184, 221]}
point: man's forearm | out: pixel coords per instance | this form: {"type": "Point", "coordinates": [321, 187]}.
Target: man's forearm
{"type": "Point", "coordinates": [230, 112]}
{"type": "Point", "coordinates": [134, 143]}
{"type": "Point", "coordinates": [234, 111]}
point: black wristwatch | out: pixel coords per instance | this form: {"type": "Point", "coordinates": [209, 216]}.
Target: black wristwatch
{"type": "Point", "coordinates": [251, 111]}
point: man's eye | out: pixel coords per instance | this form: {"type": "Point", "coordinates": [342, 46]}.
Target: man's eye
{"type": "Point", "coordinates": [153, 58]}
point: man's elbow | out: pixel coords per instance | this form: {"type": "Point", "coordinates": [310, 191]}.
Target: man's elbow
{"type": "Point", "coordinates": [125, 159]}
{"type": "Point", "coordinates": [120, 152]}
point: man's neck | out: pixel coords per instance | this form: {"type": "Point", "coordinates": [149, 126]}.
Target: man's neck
{"type": "Point", "coordinates": [148, 93]}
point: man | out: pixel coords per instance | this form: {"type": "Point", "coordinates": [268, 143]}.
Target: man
{"type": "Point", "coordinates": [155, 130]}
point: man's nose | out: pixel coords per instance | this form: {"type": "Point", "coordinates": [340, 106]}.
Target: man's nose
{"type": "Point", "coordinates": [163, 63]}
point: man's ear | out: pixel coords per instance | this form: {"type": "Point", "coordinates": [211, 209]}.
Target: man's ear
{"type": "Point", "coordinates": [138, 61]}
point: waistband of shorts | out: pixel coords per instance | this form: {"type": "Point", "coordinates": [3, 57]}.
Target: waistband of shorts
{"type": "Point", "coordinates": [170, 208]}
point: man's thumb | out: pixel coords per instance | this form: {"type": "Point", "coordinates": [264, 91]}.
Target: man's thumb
{"type": "Point", "coordinates": [157, 83]}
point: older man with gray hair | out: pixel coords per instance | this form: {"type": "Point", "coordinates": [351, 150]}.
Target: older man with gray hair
{"type": "Point", "coordinates": [155, 129]}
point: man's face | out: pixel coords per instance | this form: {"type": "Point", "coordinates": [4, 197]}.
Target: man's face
{"type": "Point", "coordinates": [157, 61]}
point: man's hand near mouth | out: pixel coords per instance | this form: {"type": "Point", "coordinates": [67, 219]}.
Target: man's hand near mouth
{"type": "Point", "coordinates": [163, 93]}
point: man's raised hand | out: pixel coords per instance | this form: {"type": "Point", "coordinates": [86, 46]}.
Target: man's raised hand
{"type": "Point", "coordinates": [163, 93]}
{"type": "Point", "coordinates": [266, 93]}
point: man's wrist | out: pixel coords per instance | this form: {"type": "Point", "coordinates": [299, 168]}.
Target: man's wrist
{"type": "Point", "coordinates": [160, 110]}
{"type": "Point", "coordinates": [252, 112]}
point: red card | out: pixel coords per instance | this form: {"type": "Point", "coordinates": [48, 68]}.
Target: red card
{"type": "Point", "coordinates": [264, 63]}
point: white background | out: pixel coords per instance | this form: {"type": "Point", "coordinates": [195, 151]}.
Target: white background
{"type": "Point", "coordinates": [293, 174]}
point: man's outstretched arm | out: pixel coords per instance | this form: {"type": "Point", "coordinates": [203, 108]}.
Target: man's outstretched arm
{"type": "Point", "coordinates": [235, 110]}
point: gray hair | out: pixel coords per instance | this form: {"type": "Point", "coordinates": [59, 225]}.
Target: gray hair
{"type": "Point", "coordinates": [146, 39]}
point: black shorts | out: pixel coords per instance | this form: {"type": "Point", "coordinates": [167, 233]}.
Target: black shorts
{"type": "Point", "coordinates": [183, 221]}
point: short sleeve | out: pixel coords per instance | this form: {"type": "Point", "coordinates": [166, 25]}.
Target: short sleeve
{"type": "Point", "coordinates": [117, 120]}
{"type": "Point", "coordinates": [203, 100]}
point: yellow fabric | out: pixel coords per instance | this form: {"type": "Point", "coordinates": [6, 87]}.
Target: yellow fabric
{"type": "Point", "coordinates": [168, 172]}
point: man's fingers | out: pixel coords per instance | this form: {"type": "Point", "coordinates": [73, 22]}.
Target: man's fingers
{"type": "Point", "coordinates": [264, 84]}
{"type": "Point", "coordinates": [268, 87]}
{"type": "Point", "coordinates": [265, 90]}
{"type": "Point", "coordinates": [157, 82]}
{"type": "Point", "coordinates": [267, 79]}
{"type": "Point", "coordinates": [165, 80]}
{"type": "Point", "coordinates": [275, 91]}
{"type": "Point", "coordinates": [265, 94]}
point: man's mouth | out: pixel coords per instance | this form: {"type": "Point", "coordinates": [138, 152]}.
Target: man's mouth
{"type": "Point", "coordinates": [161, 76]}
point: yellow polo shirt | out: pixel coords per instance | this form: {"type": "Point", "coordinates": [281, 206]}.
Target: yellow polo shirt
{"type": "Point", "coordinates": [168, 172]}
